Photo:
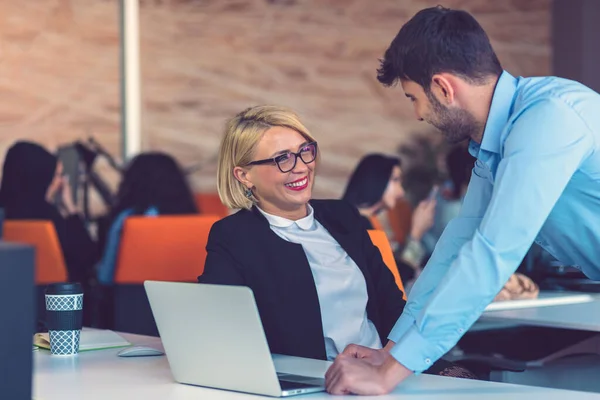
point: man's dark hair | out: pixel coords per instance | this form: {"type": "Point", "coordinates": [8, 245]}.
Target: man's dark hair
{"type": "Point", "coordinates": [436, 40]}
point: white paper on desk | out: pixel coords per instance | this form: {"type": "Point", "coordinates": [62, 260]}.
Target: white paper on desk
{"type": "Point", "coordinates": [543, 301]}
{"type": "Point", "coordinates": [91, 339]}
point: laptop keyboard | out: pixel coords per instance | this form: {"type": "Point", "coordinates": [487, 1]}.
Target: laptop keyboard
{"type": "Point", "coordinates": [287, 385]}
{"type": "Point", "coordinates": [289, 381]}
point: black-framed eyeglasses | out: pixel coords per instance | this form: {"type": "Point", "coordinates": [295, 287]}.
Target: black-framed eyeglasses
{"type": "Point", "coordinates": [287, 161]}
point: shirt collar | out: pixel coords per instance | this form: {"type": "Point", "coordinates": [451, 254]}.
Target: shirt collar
{"type": "Point", "coordinates": [502, 103]}
{"type": "Point", "coordinates": [303, 223]}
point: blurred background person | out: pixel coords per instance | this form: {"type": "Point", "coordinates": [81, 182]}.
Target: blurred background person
{"type": "Point", "coordinates": [153, 184]}
{"type": "Point", "coordinates": [32, 179]}
{"type": "Point", "coordinates": [459, 164]}
{"type": "Point", "coordinates": [375, 186]}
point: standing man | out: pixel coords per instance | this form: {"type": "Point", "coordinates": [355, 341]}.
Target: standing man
{"type": "Point", "coordinates": [536, 178]}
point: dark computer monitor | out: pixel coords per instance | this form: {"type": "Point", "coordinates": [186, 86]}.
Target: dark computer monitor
{"type": "Point", "coordinates": [17, 316]}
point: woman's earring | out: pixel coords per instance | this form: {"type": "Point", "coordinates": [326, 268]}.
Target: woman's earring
{"type": "Point", "coordinates": [248, 193]}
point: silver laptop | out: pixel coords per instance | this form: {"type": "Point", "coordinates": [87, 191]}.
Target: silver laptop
{"type": "Point", "coordinates": [213, 337]}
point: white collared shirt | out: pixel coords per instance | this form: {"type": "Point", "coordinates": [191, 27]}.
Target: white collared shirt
{"type": "Point", "coordinates": [340, 284]}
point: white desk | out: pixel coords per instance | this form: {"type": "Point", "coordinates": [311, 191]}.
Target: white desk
{"type": "Point", "coordinates": [580, 316]}
{"type": "Point", "coordinates": [560, 369]}
{"type": "Point", "coordinates": [101, 375]}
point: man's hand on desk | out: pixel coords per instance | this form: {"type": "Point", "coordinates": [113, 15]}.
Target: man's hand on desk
{"type": "Point", "coordinates": [364, 371]}
{"type": "Point", "coordinates": [372, 356]}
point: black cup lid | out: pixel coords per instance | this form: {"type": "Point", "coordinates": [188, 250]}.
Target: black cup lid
{"type": "Point", "coordinates": [64, 288]}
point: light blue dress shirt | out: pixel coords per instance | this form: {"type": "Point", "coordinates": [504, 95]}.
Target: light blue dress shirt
{"type": "Point", "coordinates": [340, 284]}
{"type": "Point", "coordinates": [536, 178]}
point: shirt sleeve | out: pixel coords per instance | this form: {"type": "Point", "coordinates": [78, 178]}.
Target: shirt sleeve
{"type": "Point", "coordinates": [546, 145]}
{"type": "Point", "coordinates": [456, 233]}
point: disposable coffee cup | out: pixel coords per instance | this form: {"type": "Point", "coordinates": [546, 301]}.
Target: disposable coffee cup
{"type": "Point", "coordinates": [64, 312]}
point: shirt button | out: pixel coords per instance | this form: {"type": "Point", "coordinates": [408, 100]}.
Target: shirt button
{"type": "Point", "coordinates": [461, 330]}
{"type": "Point", "coordinates": [427, 361]}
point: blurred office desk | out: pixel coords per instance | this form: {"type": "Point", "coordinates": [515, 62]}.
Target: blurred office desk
{"type": "Point", "coordinates": [574, 367]}
{"type": "Point", "coordinates": [581, 315]}
{"type": "Point", "coordinates": [101, 375]}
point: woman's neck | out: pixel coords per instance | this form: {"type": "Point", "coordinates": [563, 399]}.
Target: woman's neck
{"type": "Point", "coordinates": [291, 214]}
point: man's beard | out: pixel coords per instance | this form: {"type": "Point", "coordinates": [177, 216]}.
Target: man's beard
{"type": "Point", "coordinates": [456, 124]}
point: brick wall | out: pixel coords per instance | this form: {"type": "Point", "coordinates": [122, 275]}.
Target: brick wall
{"type": "Point", "coordinates": [204, 60]}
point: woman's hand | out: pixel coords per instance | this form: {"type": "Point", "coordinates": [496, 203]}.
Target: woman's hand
{"type": "Point", "coordinates": [67, 197]}
{"type": "Point", "coordinates": [518, 286]}
{"type": "Point", "coordinates": [422, 218]}
{"type": "Point", "coordinates": [530, 288]}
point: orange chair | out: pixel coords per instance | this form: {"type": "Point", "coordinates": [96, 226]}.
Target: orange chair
{"type": "Point", "coordinates": [166, 248]}
{"type": "Point", "coordinates": [380, 240]}
{"type": "Point", "coordinates": [376, 223]}
{"type": "Point", "coordinates": [400, 219]}
{"type": "Point", "coordinates": [50, 264]}
{"type": "Point", "coordinates": [210, 203]}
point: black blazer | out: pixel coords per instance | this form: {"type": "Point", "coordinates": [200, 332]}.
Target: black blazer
{"type": "Point", "coordinates": [243, 250]}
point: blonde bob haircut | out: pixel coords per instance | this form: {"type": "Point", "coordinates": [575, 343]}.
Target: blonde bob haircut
{"type": "Point", "coordinates": [242, 134]}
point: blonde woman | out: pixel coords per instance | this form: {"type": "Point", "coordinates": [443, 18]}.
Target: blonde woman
{"type": "Point", "coordinates": [319, 282]}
